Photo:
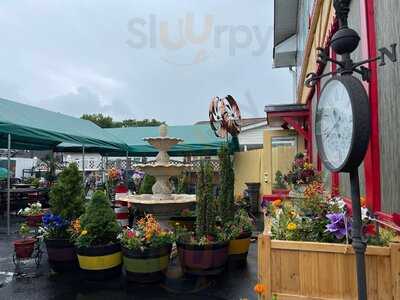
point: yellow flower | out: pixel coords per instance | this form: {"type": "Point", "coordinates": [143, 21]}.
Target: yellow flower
{"type": "Point", "coordinates": [84, 232]}
{"type": "Point", "coordinates": [363, 202]}
{"type": "Point", "coordinates": [291, 226]}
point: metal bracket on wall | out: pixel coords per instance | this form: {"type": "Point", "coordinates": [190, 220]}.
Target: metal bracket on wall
{"type": "Point", "coordinates": [344, 67]}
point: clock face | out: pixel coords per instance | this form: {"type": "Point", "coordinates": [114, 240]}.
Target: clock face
{"type": "Point", "coordinates": [334, 124]}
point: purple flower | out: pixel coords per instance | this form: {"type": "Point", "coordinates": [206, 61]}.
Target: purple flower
{"type": "Point", "coordinates": [337, 225]}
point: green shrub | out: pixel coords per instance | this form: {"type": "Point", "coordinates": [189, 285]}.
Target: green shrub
{"type": "Point", "coordinates": [67, 194]}
{"type": "Point", "coordinates": [206, 206]}
{"type": "Point", "coordinates": [279, 181]}
{"type": "Point", "coordinates": [226, 200]}
{"type": "Point", "coordinates": [147, 184]}
{"type": "Point", "coordinates": [98, 224]}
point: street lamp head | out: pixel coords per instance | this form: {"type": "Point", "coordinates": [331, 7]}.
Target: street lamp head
{"type": "Point", "coordinates": [345, 40]}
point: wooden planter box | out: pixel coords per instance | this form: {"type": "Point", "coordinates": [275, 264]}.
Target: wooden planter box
{"type": "Point", "coordinates": [305, 270]}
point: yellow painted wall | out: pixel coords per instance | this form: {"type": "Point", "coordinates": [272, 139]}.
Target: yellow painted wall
{"type": "Point", "coordinates": [247, 166]}
{"type": "Point", "coordinates": [257, 165]}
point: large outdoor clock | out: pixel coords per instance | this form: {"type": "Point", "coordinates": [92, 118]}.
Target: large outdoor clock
{"type": "Point", "coordinates": [342, 124]}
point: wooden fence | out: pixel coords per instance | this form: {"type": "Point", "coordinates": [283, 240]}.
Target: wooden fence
{"type": "Point", "coordinates": [304, 270]}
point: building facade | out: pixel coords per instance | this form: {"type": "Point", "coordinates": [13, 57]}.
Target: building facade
{"type": "Point", "coordinates": [378, 25]}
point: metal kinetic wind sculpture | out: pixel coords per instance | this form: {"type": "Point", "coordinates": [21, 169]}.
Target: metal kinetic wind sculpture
{"type": "Point", "coordinates": [224, 115]}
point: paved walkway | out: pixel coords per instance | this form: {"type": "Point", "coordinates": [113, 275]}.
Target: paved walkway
{"type": "Point", "coordinates": [42, 283]}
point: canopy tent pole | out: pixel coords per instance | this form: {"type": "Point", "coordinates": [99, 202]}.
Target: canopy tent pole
{"type": "Point", "coordinates": [83, 164]}
{"type": "Point", "coordinates": [8, 182]}
{"type": "Point", "coordinates": [127, 167]}
{"type": "Point", "coordinates": [102, 169]}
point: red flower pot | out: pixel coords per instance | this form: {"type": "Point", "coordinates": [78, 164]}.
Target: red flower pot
{"type": "Point", "coordinates": [24, 248]}
{"type": "Point", "coordinates": [203, 259]}
{"type": "Point", "coordinates": [34, 221]}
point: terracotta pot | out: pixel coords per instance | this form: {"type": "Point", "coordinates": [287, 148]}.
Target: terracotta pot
{"type": "Point", "coordinates": [239, 247]}
{"type": "Point", "coordinates": [100, 262]}
{"type": "Point", "coordinates": [203, 259]}
{"type": "Point", "coordinates": [61, 255]}
{"type": "Point", "coordinates": [24, 248]}
{"type": "Point", "coordinates": [34, 221]}
{"type": "Point", "coordinates": [188, 222]}
{"type": "Point", "coordinates": [146, 266]}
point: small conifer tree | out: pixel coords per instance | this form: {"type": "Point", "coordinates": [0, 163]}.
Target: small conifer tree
{"type": "Point", "coordinates": [206, 206]}
{"type": "Point", "coordinates": [67, 194]}
{"type": "Point", "coordinates": [226, 200]}
{"type": "Point", "coordinates": [98, 223]}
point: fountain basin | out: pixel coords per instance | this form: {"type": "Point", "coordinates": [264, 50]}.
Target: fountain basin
{"type": "Point", "coordinates": [161, 205]}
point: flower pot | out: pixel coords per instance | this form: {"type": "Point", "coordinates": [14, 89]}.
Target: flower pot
{"type": "Point", "coordinates": [146, 266]}
{"type": "Point", "coordinates": [300, 188]}
{"type": "Point", "coordinates": [24, 248]}
{"type": "Point", "coordinates": [203, 259]}
{"type": "Point", "coordinates": [187, 222]}
{"type": "Point", "coordinates": [34, 221]}
{"type": "Point", "coordinates": [61, 255]}
{"type": "Point", "coordinates": [239, 247]}
{"type": "Point", "coordinates": [100, 262]}
{"type": "Point", "coordinates": [281, 192]}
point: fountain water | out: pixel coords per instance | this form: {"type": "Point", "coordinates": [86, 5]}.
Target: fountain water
{"type": "Point", "coordinates": [162, 202]}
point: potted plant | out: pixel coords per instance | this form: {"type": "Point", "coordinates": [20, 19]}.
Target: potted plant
{"type": "Point", "coordinates": [302, 174]}
{"type": "Point", "coordinates": [280, 187]}
{"type": "Point", "coordinates": [146, 249]}
{"type": "Point", "coordinates": [305, 238]}
{"type": "Point", "coordinates": [205, 251]}
{"type": "Point", "coordinates": [97, 245]}
{"type": "Point", "coordinates": [33, 213]}
{"type": "Point", "coordinates": [239, 231]}
{"type": "Point", "coordinates": [66, 205]}
{"type": "Point", "coordinates": [25, 246]}
{"type": "Point", "coordinates": [186, 218]}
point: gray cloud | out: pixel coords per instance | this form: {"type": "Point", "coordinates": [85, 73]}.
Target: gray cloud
{"type": "Point", "coordinates": [73, 57]}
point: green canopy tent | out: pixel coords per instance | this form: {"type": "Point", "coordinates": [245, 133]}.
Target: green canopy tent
{"type": "Point", "coordinates": [36, 128]}
{"type": "Point", "coordinates": [197, 140]}
{"type": "Point", "coordinates": [27, 127]}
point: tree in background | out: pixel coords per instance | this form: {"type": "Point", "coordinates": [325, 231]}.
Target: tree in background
{"type": "Point", "coordinates": [226, 200]}
{"type": "Point", "coordinates": [100, 120]}
{"type": "Point", "coordinates": [107, 122]}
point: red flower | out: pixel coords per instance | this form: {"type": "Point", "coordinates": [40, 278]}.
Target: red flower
{"type": "Point", "coordinates": [210, 238]}
{"type": "Point", "coordinates": [369, 230]}
{"type": "Point", "coordinates": [130, 234]}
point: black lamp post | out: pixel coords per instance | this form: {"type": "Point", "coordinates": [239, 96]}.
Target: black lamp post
{"type": "Point", "coordinates": [344, 42]}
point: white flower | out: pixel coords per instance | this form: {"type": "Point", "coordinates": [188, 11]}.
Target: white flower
{"type": "Point", "coordinates": [364, 213]}
{"type": "Point", "coordinates": [20, 211]}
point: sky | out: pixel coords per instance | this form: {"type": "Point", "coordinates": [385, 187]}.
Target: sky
{"type": "Point", "coordinates": [162, 59]}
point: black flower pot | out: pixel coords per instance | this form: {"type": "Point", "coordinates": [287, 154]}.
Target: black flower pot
{"type": "Point", "coordinates": [149, 265]}
{"type": "Point", "coordinates": [100, 262]}
{"type": "Point", "coordinates": [61, 255]}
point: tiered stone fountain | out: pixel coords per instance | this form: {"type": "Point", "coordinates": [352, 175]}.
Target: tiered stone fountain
{"type": "Point", "coordinates": [162, 202]}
